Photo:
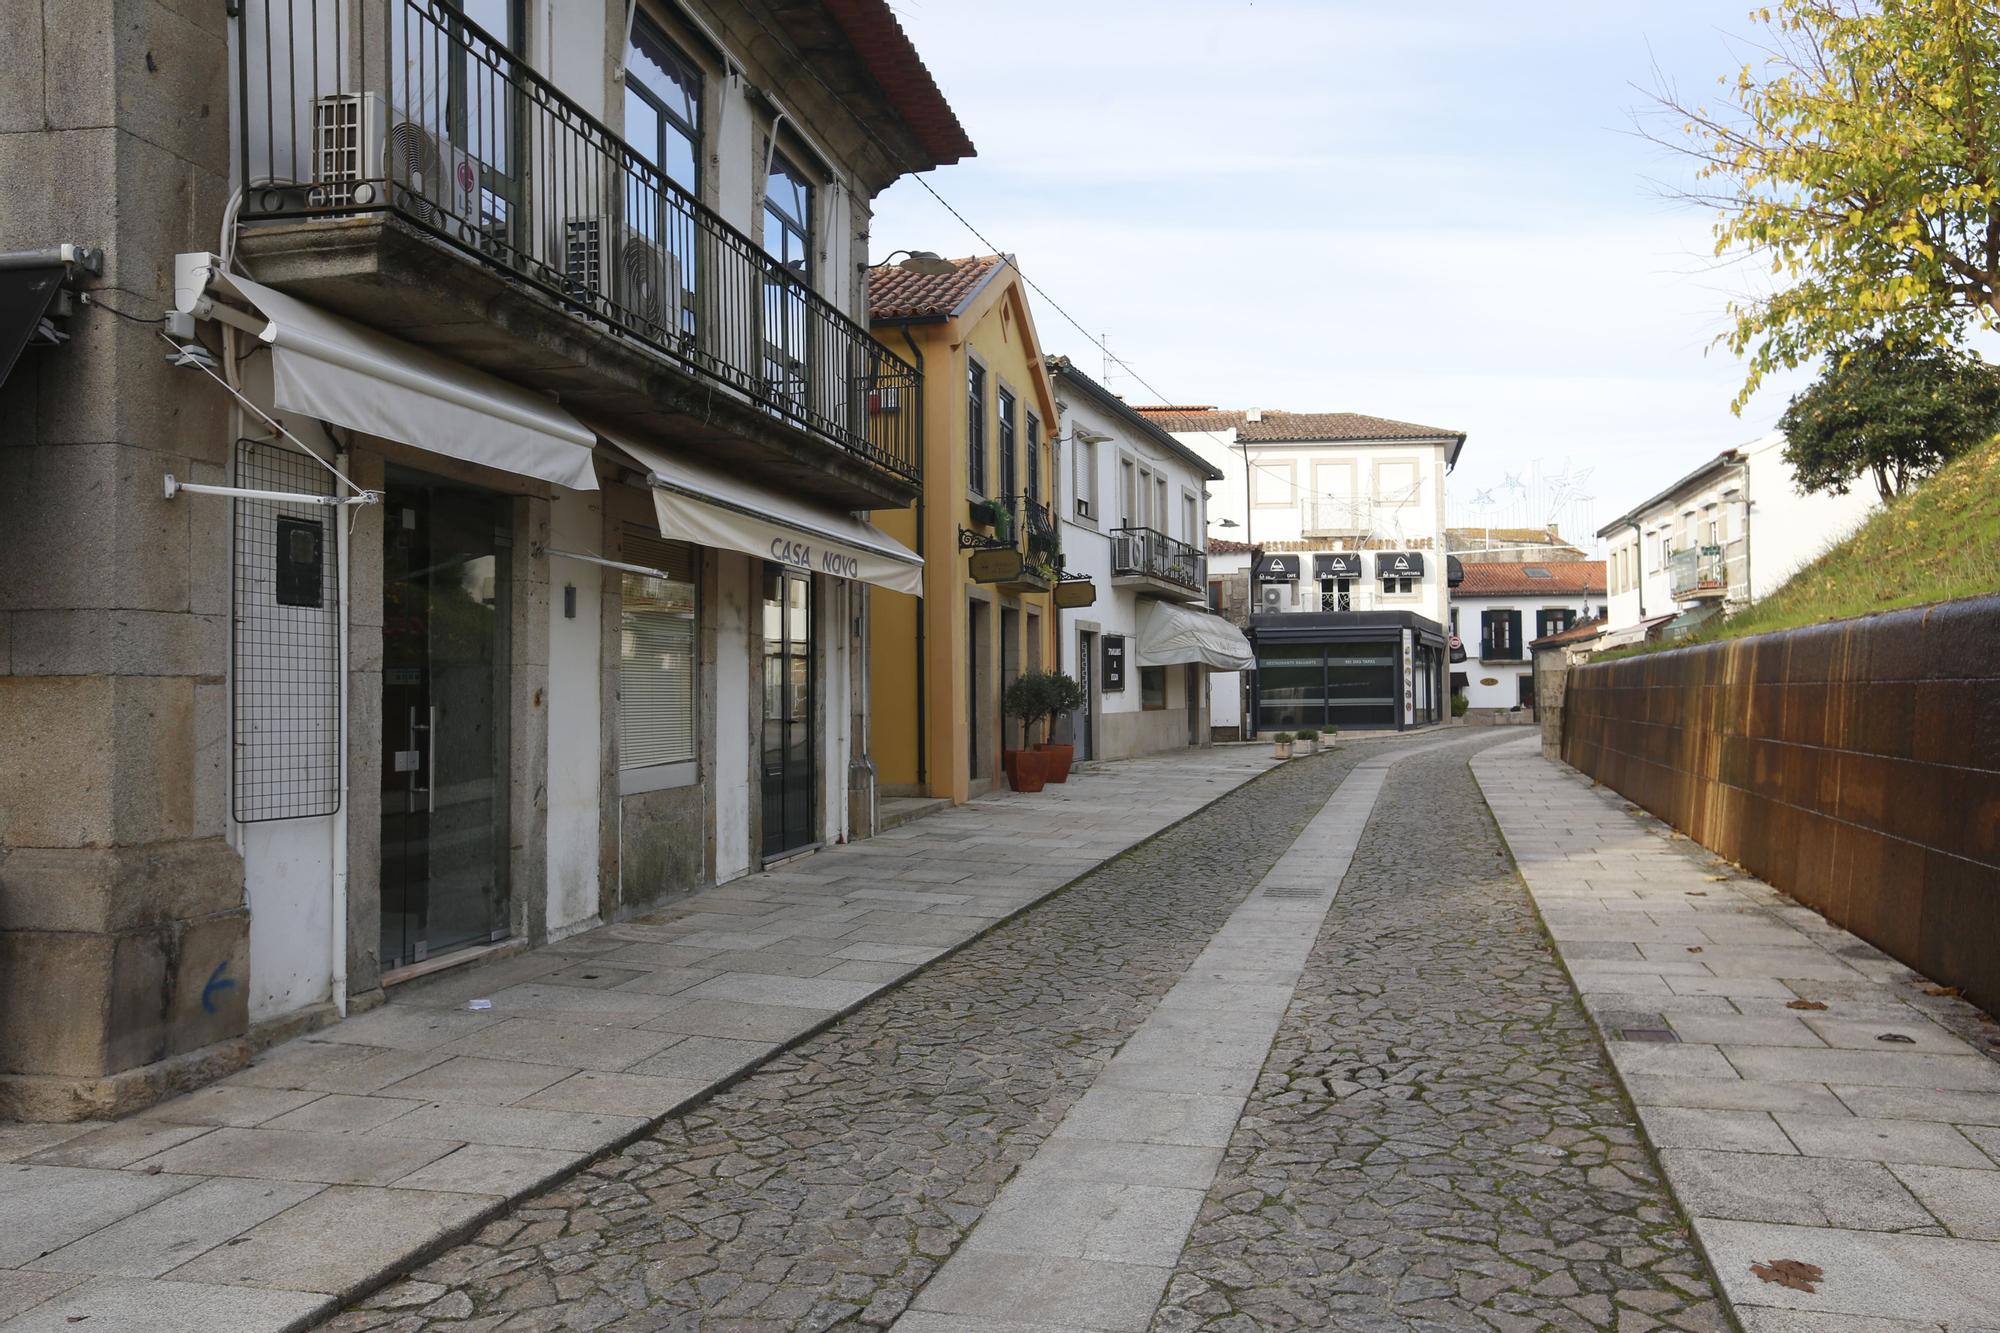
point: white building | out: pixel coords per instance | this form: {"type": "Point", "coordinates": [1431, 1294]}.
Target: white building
{"type": "Point", "coordinates": [1349, 590]}
{"type": "Point", "coordinates": [1133, 520]}
{"type": "Point", "coordinates": [1501, 607]}
{"type": "Point", "coordinates": [1728, 533]}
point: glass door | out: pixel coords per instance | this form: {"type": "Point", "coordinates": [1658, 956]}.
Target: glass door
{"type": "Point", "coordinates": [789, 702]}
{"type": "Point", "coordinates": [446, 604]}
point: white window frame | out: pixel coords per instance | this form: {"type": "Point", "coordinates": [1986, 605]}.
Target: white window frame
{"type": "Point", "coordinates": [1274, 472]}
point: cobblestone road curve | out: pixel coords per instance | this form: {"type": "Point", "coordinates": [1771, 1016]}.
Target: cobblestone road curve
{"type": "Point", "coordinates": [826, 1187]}
{"type": "Point", "coordinates": [1436, 1141]}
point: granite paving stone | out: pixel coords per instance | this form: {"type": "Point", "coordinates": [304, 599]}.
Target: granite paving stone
{"type": "Point", "coordinates": [177, 1229]}
{"type": "Point", "coordinates": [141, 1305]}
{"type": "Point", "coordinates": [48, 1207]}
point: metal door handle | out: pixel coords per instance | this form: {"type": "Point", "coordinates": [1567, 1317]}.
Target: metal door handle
{"type": "Point", "coordinates": [430, 761]}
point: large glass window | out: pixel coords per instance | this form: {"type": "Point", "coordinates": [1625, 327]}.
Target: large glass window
{"type": "Point", "coordinates": [1152, 687]}
{"type": "Point", "coordinates": [788, 241]}
{"type": "Point", "coordinates": [1034, 458]}
{"type": "Point", "coordinates": [663, 105]}
{"type": "Point", "coordinates": [1009, 462]}
{"type": "Point", "coordinates": [975, 428]}
{"type": "Point", "coordinates": [1337, 684]}
{"type": "Point", "coordinates": [657, 656]}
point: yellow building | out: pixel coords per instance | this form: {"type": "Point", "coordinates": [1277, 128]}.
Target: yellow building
{"type": "Point", "coordinates": [983, 523]}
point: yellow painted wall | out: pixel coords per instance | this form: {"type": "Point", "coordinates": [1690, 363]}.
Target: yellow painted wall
{"type": "Point", "coordinates": [999, 331]}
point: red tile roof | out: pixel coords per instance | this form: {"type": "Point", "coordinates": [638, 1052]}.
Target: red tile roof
{"type": "Point", "coordinates": [1283, 427]}
{"type": "Point", "coordinates": [905, 80]}
{"type": "Point", "coordinates": [894, 293]}
{"type": "Point", "coordinates": [1510, 580]}
{"type": "Point", "coordinates": [1578, 633]}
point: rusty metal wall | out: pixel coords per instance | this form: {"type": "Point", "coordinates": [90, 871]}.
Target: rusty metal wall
{"type": "Point", "coordinates": [1854, 765]}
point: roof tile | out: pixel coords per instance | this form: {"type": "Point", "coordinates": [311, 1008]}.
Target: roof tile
{"type": "Point", "coordinates": [1509, 579]}
{"type": "Point", "coordinates": [1280, 427]}
{"type": "Point", "coordinates": [895, 293]}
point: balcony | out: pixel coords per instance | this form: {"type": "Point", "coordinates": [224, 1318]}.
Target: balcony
{"type": "Point", "coordinates": [408, 172]}
{"type": "Point", "coordinates": [1335, 516]}
{"type": "Point", "coordinates": [1500, 650]}
{"type": "Point", "coordinates": [1157, 565]}
{"type": "Point", "coordinates": [1699, 574]}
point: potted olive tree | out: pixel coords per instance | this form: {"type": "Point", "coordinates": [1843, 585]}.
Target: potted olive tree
{"type": "Point", "coordinates": [1025, 698]}
{"type": "Point", "coordinates": [1060, 694]}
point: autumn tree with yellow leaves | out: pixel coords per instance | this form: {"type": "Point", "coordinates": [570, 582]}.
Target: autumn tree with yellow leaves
{"type": "Point", "coordinates": [1856, 157]}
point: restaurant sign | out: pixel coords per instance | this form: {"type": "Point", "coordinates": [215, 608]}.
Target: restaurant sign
{"type": "Point", "coordinates": [1076, 592]}
{"type": "Point", "coordinates": [1001, 565]}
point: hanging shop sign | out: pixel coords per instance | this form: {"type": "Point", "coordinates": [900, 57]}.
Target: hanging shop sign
{"type": "Point", "coordinates": [1114, 664]}
{"type": "Point", "coordinates": [1337, 565]}
{"type": "Point", "coordinates": [1002, 565]}
{"type": "Point", "coordinates": [1409, 675]}
{"type": "Point", "coordinates": [1075, 593]}
{"type": "Point", "coordinates": [1457, 649]}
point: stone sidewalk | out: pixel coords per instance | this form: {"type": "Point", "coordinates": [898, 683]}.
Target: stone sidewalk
{"type": "Point", "coordinates": [338, 1160]}
{"type": "Point", "coordinates": [1829, 1123]}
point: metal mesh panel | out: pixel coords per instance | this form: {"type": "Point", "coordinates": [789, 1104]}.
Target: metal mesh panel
{"type": "Point", "coordinates": [285, 641]}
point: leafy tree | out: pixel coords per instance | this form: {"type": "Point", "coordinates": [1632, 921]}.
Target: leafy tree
{"type": "Point", "coordinates": [1856, 157]}
{"type": "Point", "coordinates": [1894, 412]}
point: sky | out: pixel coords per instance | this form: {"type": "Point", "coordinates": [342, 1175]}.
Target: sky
{"type": "Point", "coordinates": [1438, 212]}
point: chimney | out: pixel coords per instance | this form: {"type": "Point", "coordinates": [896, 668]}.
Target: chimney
{"type": "Point", "coordinates": [1254, 415]}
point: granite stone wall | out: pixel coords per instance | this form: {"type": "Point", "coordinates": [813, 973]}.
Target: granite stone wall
{"type": "Point", "coordinates": [1854, 765]}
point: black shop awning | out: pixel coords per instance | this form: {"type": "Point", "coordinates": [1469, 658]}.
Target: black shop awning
{"type": "Point", "coordinates": [1399, 565]}
{"type": "Point", "coordinates": [25, 295]}
{"type": "Point", "coordinates": [1337, 565]}
{"type": "Point", "coordinates": [1278, 569]}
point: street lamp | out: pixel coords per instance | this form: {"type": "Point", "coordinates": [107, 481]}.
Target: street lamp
{"type": "Point", "coordinates": [923, 263]}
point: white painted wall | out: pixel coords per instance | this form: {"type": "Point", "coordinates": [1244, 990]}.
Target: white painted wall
{"type": "Point", "coordinates": [1505, 693]}
{"type": "Point", "coordinates": [1788, 527]}
{"type": "Point", "coordinates": [576, 523]}
{"type": "Point", "coordinates": [288, 879]}
{"type": "Point", "coordinates": [1086, 541]}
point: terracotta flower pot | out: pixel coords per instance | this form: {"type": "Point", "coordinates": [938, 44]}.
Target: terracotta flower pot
{"type": "Point", "coordinates": [1029, 771]}
{"type": "Point", "coordinates": [1060, 757]}
{"type": "Point", "coordinates": [1007, 761]}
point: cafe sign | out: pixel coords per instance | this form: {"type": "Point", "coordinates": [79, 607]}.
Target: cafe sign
{"type": "Point", "coordinates": [1000, 565]}
{"type": "Point", "coordinates": [1076, 592]}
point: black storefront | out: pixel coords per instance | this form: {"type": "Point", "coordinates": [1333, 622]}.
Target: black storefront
{"type": "Point", "coordinates": [1354, 670]}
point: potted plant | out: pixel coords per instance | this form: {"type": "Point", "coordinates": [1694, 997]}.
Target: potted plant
{"type": "Point", "coordinates": [1326, 735]}
{"type": "Point", "coordinates": [1305, 741]}
{"type": "Point", "coordinates": [1281, 745]}
{"type": "Point", "coordinates": [1061, 694]}
{"type": "Point", "coordinates": [1024, 698]}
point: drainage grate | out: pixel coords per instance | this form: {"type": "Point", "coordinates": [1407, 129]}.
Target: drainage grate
{"type": "Point", "coordinates": [1292, 893]}
{"type": "Point", "coordinates": [1647, 1034]}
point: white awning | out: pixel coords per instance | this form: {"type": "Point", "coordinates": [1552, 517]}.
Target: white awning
{"type": "Point", "coordinates": [1169, 634]}
{"type": "Point", "coordinates": [710, 507]}
{"type": "Point", "coordinates": [341, 372]}
{"type": "Point", "coordinates": [1630, 634]}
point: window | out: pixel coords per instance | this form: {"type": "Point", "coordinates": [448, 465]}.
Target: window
{"type": "Point", "coordinates": [1500, 636]}
{"type": "Point", "coordinates": [1392, 587]}
{"type": "Point", "coordinates": [788, 217]}
{"type": "Point", "coordinates": [1162, 512]}
{"type": "Point", "coordinates": [1271, 484]}
{"type": "Point", "coordinates": [1128, 493]}
{"type": "Point", "coordinates": [975, 428]}
{"type": "Point", "coordinates": [1336, 594]}
{"type": "Point", "coordinates": [1190, 521]}
{"type": "Point", "coordinates": [1034, 457]}
{"type": "Point", "coordinates": [1008, 461]}
{"type": "Point", "coordinates": [1553, 620]}
{"type": "Point", "coordinates": [1152, 687]}
{"type": "Point", "coordinates": [1396, 484]}
{"type": "Point", "coordinates": [1083, 475]}
{"type": "Point", "coordinates": [663, 105]}
{"type": "Point", "coordinates": [656, 656]}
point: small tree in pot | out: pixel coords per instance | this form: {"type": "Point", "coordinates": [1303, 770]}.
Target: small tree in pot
{"type": "Point", "coordinates": [1025, 698]}
{"type": "Point", "coordinates": [1061, 694]}
{"type": "Point", "coordinates": [1281, 744]}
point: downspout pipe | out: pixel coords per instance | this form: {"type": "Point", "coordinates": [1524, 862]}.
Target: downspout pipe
{"type": "Point", "coordinates": [1640, 533]}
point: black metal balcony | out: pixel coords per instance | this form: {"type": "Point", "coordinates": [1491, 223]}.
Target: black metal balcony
{"type": "Point", "coordinates": [1500, 650]}
{"type": "Point", "coordinates": [1144, 553]}
{"type": "Point", "coordinates": [406, 108]}
{"type": "Point", "coordinates": [1696, 573]}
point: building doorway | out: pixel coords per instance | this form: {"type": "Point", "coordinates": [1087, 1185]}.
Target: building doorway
{"type": "Point", "coordinates": [1086, 676]}
{"type": "Point", "coordinates": [447, 608]}
{"type": "Point", "coordinates": [975, 715]}
{"type": "Point", "coordinates": [790, 702]}
{"type": "Point", "coordinates": [1193, 688]}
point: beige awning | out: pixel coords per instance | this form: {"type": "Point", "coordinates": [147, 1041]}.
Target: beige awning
{"type": "Point", "coordinates": [703, 504]}
{"type": "Point", "coordinates": [347, 374]}
{"type": "Point", "coordinates": [1170, 634]}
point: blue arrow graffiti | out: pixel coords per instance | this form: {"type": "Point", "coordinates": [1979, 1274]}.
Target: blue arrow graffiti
{"type": "Point", "coordinates": [216, 982]}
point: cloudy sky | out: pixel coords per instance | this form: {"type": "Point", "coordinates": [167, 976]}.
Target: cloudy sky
{"type": "Point", "coordinates": [1431, 211]}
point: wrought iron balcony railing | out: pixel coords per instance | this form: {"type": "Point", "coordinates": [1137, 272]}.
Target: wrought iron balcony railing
{"type": "Point", "coordinates": [1491, 650]}
{"type": "Point", "coordinates": [1156, 555]}
{"type": "Point", "coordinates": [410, 108]}
{"type": "Point", "coordinates": [1699, 571]}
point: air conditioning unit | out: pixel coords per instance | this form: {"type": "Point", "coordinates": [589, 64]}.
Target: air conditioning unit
{"type": "Point", "coordinates": [622, 275]}
{"type": "Point", "coordinates": [1272, 596]}
{"type": "Point", "coordinates": [1124, 551]}
{"type": "Point", "coordinates": [365, 156]}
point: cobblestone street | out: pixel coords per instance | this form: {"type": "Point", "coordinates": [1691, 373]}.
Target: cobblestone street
{"type": "Point", "coordinates": [1435, 1141]}
{"type": "Point", "coordinates": [826, 1187]}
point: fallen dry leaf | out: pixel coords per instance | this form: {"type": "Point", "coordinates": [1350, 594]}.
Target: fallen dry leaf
{"type": "Point", "coordinates": [1941, 990]}
{"type": "Point", "coordinates": [1806, 1004]}
{"type": "Point", "coordinates": [1793, 1273]}
{"type": "Point", "coordinates": [1697, 893]}
{"type": "Point", "coordinates": [1716, 879]}
{"type": "Point", "coordinates": [1694, 948]}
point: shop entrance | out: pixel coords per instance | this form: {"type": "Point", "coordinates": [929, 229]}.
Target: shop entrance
{"type": "Point", "coordinates": [789, 704]}
{"type": "Point", "coordinates": [446, 625]}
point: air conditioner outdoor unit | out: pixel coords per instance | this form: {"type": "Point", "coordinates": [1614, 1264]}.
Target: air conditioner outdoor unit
{"type": "Point", "coordinates": [1273, 596]}
{"type": "Point", "coordinates": [622, 275]}
{"type": "Point", "coordinates": [365, 156]}
{"type": "Point", "coordinates": [1124, 552]}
